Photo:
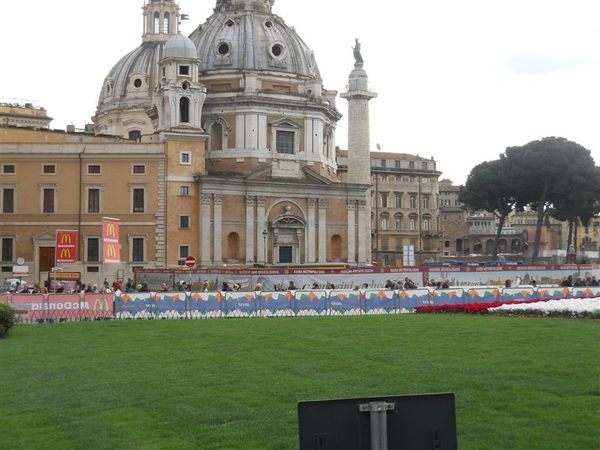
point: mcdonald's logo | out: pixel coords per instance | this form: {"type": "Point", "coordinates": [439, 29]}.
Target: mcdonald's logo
{"type": "Point", "coordinates": [65, 253]}
{"type": "Point", "coordinates": [110, 230]}
{"type": "Point", "coordinates": [111, 251]}
{"type": "Point", "coordinates": [66, 239]}
{"type": "Point", "coordinates": [100, 304]}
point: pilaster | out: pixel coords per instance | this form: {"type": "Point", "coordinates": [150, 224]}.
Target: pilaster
{"type": "Point", "coordinates": [322, 230]}
{"type": "Point", "coordinates": [205, 204]}
{"type": "Point", "coordinates": [261, 226]}
{"type": "Point", "coordinates": [250, 204]}
{"type": "Point", "coordinates": [218, 229]}
{"type": "Point", "coordinates": [351, 231]}
{"type": "Point", "coordinates": [312, 224]}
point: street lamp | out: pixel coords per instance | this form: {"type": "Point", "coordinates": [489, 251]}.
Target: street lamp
{"type": "Point", "coordinates": [265, 234]}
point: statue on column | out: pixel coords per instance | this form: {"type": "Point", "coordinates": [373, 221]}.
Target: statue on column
{"type": "Point", "coordinates": [357, 55]}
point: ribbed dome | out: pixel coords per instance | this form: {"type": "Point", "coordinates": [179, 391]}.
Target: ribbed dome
{"type": "Point", "coordinates": [180, 46]}
{"type": "Point", "coordinates": [132, 78]}
{"type": "Point", "coordinates": [244, 35]}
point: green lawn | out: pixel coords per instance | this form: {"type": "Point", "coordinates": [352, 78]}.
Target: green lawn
{"type": "Point", "coordinates": [520, 383]}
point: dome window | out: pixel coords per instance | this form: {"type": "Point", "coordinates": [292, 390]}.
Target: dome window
{"type": "Point", "coordinates": [277, 51]}
{"type": "Point", "coordinates": [229, 23]}
{"type": "Point", "coordinates": [185, 86]}
{"type": "Point", "coordinates": [156, 23]}
{"type": "Point", "coordinates": [167, 23]}
{"type": "Point", "coordinates": [184, 110]}
{"type": "Point", "coordinates": [138, 83]}
{"type": "Point", "coordinates": [223, 49]}
{"type": "Point", "coordinates": [268, 24]}
{"type": "Point", "coordinates": [184, 70]}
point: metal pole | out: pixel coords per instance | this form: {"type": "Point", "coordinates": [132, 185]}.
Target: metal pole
{"type": "Point", "coordinates": [378, 419]}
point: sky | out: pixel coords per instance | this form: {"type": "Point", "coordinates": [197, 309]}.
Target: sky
{"type": "Point", "coordinates": [457, 80]}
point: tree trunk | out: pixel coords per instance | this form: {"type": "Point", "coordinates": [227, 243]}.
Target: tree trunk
{"type": "Point", "coordinates": [570, 237]}
{"type": "Point", "coordinates": [538, 226]}
{"type": "Point", "coordinates": [575, 238]}
{"type": "Point", "coordinates": [501, 221]}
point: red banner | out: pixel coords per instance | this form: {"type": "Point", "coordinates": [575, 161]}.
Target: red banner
{"type": "Point", "coordinates": [31, 308]}
{"type": "Point", "coordinates": [110, 239]}
{"type": "Point", "coordinates": [66, 247]}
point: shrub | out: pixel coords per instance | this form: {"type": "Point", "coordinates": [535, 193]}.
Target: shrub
{"type": "Point", "coordinates": [595, 314]}
{"type": "Point", "coordinates": [8, 318]}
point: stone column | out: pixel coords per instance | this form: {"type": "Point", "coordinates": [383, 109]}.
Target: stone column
{"type": "Point", "coordinates": [205, 229]}
{"type": "Point", "coordinates": [351, 231]}
{"type": "Point", "coordinates": [310, 236]}
{"type": "Point", "coordinates": [261, 225]}
{"type": "Point", "coordinates": [218, 230]}
{"type": "Point", "coordinates": [250, 202]}
{"type": "Point", "coordinates": [363, 232]}
{"type": "Point", "coordinates": [322, 230]}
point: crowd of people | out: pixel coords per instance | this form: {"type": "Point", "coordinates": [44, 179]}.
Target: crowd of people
{"type": "Point", "coordinates": [580, 282]}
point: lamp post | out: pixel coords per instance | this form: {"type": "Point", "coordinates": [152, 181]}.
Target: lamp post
{"type": "Point", "coordinates": [265, 234]}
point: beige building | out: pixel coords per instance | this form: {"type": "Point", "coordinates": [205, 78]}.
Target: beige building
{"type": "Point", "coordinates": [219, 146]}
{"type": "Point", "coordinates": [24, 116]}
{"type": "Point", "coordinates": [404, 210]}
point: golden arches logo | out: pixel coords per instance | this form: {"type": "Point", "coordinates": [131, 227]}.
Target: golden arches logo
{"type": "Point", "coordinates": [65, 253]}
{"type": "Point", "coordinates": [100, 304]}
{"type": "Point", "coordinates": [111, 251]}
{"type": "Point", "coordinates": [111, 230]}
{"type": "Point", "coordinates": [66, 239]}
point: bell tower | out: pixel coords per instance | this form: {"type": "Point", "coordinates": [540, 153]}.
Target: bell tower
{"type": "Point", "coordinates": [161, 20]}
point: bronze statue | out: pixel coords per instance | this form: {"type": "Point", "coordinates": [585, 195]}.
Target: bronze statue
{"type": "Point", "coordinates": [357, 56]}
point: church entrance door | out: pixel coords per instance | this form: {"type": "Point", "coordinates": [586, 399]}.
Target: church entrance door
{"type": "Point", "coordinates": [286, 254]}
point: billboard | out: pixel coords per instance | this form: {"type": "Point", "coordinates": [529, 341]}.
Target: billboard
{"type": "Point", "coordinates": [66, 247]}
{"type": "Point", "coordinates": [110, 241]}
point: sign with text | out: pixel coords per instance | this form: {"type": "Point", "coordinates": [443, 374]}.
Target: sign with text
{"type": "Point", "coordinates": [66, 247]}
{"type": "Point", "coordinates": [110, 240]}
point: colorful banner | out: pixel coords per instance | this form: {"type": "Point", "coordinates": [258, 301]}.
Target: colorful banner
{"type": "Point", "coordinates": [484, 295]}
{"type": "Point", "coordinates": [554, 293]}
{"type": "Point", "coordinates": [311, 303]}
{"type": "Point", "coordinates": [379, 302]}
{"type": "Point", "coordinates": [448, 297]}
{"type": "Point", "coordinates": [66, 247]}
{"type": "Point", "coordinates": [277, 304]}
{"type": "Point", "coordinates": [410, 299]}
{"type": "Point", "coordinates": [110, 241]}
{"type": "Point", "coordinates": [205, 305]}
{"type": "Point", "coordinates": [518, 295]}
{"type": "Point", "coordinates": [240, 304]}
{"type": "Point", "coordinates": [585, 292]}
{"type": "Point", "coordinates": [345, 303]}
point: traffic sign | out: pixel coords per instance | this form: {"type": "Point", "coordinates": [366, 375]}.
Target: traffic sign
{"type": "Point", "coordinates": [190, 261]}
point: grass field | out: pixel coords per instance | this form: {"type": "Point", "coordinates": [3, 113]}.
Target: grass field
{"type": "Point", "coordinates": [520, 383]}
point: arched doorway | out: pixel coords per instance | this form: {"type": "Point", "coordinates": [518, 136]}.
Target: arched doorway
{"type": "Point", "coordinates": [336, 247]}
{"type": "Point", "coordinates": [288, 240]}
{"type": "Point", "coordinates": [233, 247]}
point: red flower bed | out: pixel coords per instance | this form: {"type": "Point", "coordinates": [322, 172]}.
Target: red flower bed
{"type": "Point", "coordinates": [471, 308]}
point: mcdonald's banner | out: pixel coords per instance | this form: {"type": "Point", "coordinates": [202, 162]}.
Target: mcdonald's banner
{"type": "Point", "coordinates": [311, 303]}
{"type": "Point", "coordinates": [66, 247]}
{"type": "Point", "coordinates": [110, 239]}
{"type": "Point", "coordinates": [99, 306]}
{"type": "Point", "coordinates": [277, 304]}
{"type": "Point", "coordinates": [379, 301]}
{"type": "Point", "coordinates": [240, 304]}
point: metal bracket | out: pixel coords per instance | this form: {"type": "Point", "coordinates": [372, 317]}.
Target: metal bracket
{"type": "Point", "coordinates": [378, 415]}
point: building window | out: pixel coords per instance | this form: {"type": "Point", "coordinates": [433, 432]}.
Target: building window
{"type": "Point", "coordinates": [398, 220]}
{"type": "Point", "coordinates": [167, 23]}
{"type": "Point", "coordinates": [424, 166]}
{"type": "Point", "coordinates": [384, 200]}
{"type": "Point", "coordinates": [184, 251]}
{"type": "Point", "coordinates": [413, 223]}
{"type": "Point", "coordinates": [185, 158]}
{"type": "Point", "coordinates": [49, 169]}
{"type": "Point", "coordinates": [184, 191]}
{"type": "Point", "coordinates": [94, 169]}
{"type": "Point", "coordinates": [139, 169]}
{"type": "Point", "coordinates": [184, 110]}
{"type": "Point", "coordinates": [156, 22]}
{"type": "Point", "coordinates": [48, 203]}
{"type": "Point", "coordinates": [285, 142]}
{"type": "Point", "coordinates": [184, 222]}
{"type": "Point", "coordinates": [412, 179]}
{"type": "Point", "coordinates": [385, 218]}
{"type": "Point", "coordinates": [93, 201]}
{"type": "Point", "coordinates": [8, 200]}
{"type": "Point", "coordinates": [137, 249]}
{"type": "Point", "coordinates": [411, 164]}
{"type": "Point", "coordinates": [426, 201]}
{"type": "Point", "coordinates": [216, 137]}
{"type": "Point", "coordinates": [398, 200]}
{"type": "Point", "coordinates": [184, 70]}
{"type": "Point", "coordinates": [383, 163]}
{"type": "Point", "coordinates": [135, 135]}
{"type": "Point", "coordinates": [93, 249]}
{"type": "Point", "coordinates": [426, 223]}
{"type": "Point", "coordinates": [412, 201]}
{"type": "Point", "coordinates": [398, 164]}
{"type": "Point", "coordinates": [138, 200]}
{"type": "Point", "coordinates": [8, 249]}
{"type": "Point", "coordinates": [9, 169]}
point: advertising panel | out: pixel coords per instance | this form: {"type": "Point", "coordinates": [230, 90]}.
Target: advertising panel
{"type": "Point", "coordinates": [345, 303]}
{"type": "Point", "coordinates": [311, 303]}
{"type": "Point", "coordinates": [379, 302]}
{"type": "Point", "coordinates": [110, 241]}
{"type": "Point", "coordinates": [277, 304]}
{"type": "Point", "coordinates": [240, 304]}
{"type": "Point", "coordinates": [66, 247]}
{"type": "Point", "coordinates": [204, 305]}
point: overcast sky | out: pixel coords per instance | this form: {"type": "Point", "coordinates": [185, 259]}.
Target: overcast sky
{"type": "Point", "coordinates": [457, 80]}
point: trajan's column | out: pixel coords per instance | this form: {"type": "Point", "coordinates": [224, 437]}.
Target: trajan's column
{"type": "Point", "coordinates": [359, 149]}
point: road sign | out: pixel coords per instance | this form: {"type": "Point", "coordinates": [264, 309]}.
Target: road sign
{"type": "Point", "coordinates": [190, 261]}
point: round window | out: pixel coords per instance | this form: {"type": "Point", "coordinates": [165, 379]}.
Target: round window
{"type": "Point", "coordinates": [137, 83]}
{"type": "Point", "coordinates": [277, 50]}
{"type": "Point", "coordinates": [223, 48]}
{"type": "Point", "coordinates": [185, 85]}
{"type": "Point", "coordinates": [229, 23]}
{"type": "Point", "coordinates": [268, 24]}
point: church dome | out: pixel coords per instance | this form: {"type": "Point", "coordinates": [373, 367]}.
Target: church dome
{"type": "Point", "coordinates": [246, 35]}
{"type": "Point", "coordinates": [180, 46]}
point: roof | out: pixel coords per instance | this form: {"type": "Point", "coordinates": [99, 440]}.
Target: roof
{"type": "Point", "coordinates": [388, 155]}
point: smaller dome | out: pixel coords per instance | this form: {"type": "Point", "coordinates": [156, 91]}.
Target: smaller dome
{"type": "Point", "coordinates": [180, 46]}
